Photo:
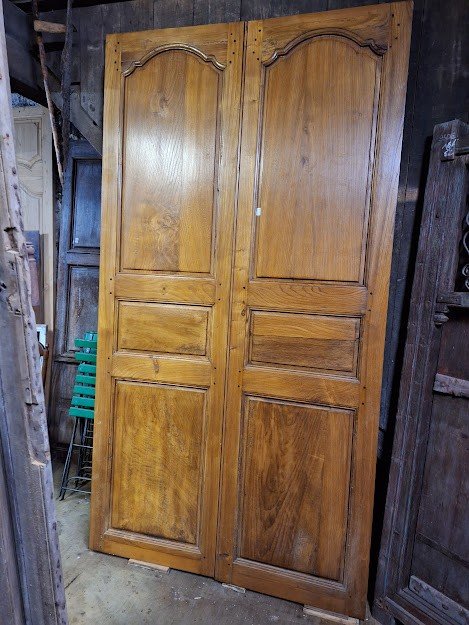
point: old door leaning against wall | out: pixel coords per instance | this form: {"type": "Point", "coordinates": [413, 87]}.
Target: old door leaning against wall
{"type": "Point", "coordinates": [77, 278]}
{"type": "Point", "coordinates": [424, 559]}
{"type": "Point", "coordinates": [33, 144]}
{"type": "Point", "coordinates": [172, 101]}
{"type": "Point", "coordinates": [321, 138]}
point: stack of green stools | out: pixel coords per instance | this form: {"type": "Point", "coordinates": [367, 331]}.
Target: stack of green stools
{"type": "Point", "coordinates": [82, 411]}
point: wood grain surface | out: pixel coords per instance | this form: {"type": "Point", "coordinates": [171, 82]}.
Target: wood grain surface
{"type": "Point", "coordinates": [295, 486]}
{"type": "Point", "coordinates": [162, 328]}
{"type": "Point", "coordinates": [169, 164]}
{"type": "Point", "coordinates": [322, 126]}
{"type": "Point", "coordinates": [157, 467]}
{"type": "Point", "coordinates": [319, 118]}
{"type": "Point", "coordinates": [310, 341]}
{"type": "Point", "coordinates": [172, 102]}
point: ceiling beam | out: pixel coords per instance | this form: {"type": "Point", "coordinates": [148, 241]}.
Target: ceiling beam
{"type": "Point", "coordinates": [53, 5]}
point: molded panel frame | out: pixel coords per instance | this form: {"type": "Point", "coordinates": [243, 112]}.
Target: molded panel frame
{"type": "Point", "coordinates": [375, 51]}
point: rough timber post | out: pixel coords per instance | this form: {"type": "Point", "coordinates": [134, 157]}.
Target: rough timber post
{"type": "Point", "coordinates": [31, 584]}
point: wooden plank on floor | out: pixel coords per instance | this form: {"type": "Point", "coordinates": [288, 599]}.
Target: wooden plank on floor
{"type": "Point", "coordinates": [323, 617]}
{"type": "Point", "coordinates": [149, 565]}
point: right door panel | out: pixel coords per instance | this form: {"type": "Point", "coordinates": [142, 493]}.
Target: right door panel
{"type": "Point", "coordinates": [322, 124]}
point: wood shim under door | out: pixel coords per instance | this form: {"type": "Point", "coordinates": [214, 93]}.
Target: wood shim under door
{"type": "Point", "coordinates": [283, 276]}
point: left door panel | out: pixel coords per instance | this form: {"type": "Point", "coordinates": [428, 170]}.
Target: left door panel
{"type": "Point", "coordinates": [171, 126]}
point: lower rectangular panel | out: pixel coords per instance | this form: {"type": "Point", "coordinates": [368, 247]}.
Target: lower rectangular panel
{"type": "Point", "coordinates": [157, 466]}
{"type": "Point", "coordinates": [294, 486]}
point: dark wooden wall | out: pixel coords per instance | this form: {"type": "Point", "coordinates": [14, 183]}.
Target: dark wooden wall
{"type": "Point", "coordinates": [437, 91]}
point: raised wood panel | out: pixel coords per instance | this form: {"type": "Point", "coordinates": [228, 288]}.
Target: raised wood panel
{"type": "Point", "coordinates": [184, 290]}
{"type": "Point", "coordinates": [319, 116]}
{"type": "Point", "coordinates": [86, 211]}
{"type": "Point", "coordinates": [310, 341]}
{"type": "Point", "coordinates": [293, 514]}
{"type": "Point", "coordinates": [320, 297]}
{"type": "Point", "coordinates": [157, 468]}
{"type": "Point", "coordinates": [82, 304]}
{"type": "Point", "coordinates": [162, 328]}
{"type": "Point", "coordinates": [170, 167]}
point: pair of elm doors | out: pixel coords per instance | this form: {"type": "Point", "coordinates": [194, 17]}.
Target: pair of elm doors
{"type": "Point", "coordinates": [249, 187]}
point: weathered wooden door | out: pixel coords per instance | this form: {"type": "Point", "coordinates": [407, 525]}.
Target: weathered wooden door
{"type": "Point", "coordinates": [33, 145]}
{"type": "Point", "coordinates": [172, 101]}
{"type": "Point", "coordinates": [322, 121]}
{"type": "Point", "coordinates": [295, 301]}
{"type": "Point", "coordinates": [77, 278]}
{"type": "Point", "coordinates": [424, 559]}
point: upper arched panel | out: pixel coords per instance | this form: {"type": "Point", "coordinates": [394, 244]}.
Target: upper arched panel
{"type": "Point", "coordinates": [168, 206]}
{"type": "Point", "coordinates": [183, 48]}
{"type": "Point", "coordinates": [343, 35]}
{"type": "Point", "coordinates": [319, 111]}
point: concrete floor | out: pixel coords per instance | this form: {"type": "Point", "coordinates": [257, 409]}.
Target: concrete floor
{"type": "Point", "coordinates": [106, 590]}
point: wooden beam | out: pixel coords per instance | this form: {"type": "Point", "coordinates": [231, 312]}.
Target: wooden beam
{"type": "Point", "coordinates": [33, 583]}
{"type": "Point", "coordinates": [448, 385]}
{"type": "Point", "coordinates": [66, 82]}
{"type": "Point", "coordinates": [49, 27]}
{"type": "Point", "coordinates": [50, 105]}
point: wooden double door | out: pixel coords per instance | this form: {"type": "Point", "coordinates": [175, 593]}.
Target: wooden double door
{"type": "Point", "coordinates": [249, 184]}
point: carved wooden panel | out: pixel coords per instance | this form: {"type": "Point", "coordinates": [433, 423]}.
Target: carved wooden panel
{"type": "Point", "coordinates": [293, 515]}
{"type": "Point", "coordinates": [319, 117]}
{"type": "Point", "coordinates": [168, 190]}
{"type": "Point", "coordinates": [161, 427]}
{"type": "Point", "coordinates": [33, 144]}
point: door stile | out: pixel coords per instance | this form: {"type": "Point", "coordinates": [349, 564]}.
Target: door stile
{"type": "Point", "coordinates": [102, 450]}
{"type": "Point", "coordinates": [230, 134]}
{"type": "Point", "coordinates": [379, 255]}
